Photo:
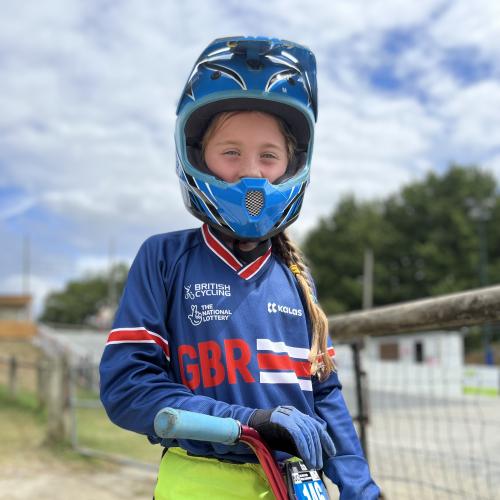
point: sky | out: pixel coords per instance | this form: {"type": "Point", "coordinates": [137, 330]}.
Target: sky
{"type": "Point", "coordinates": [88, 91]}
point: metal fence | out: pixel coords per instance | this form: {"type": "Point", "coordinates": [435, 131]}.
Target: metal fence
{"type": "Point", "coordinates": [430, 429]}
{"type": "Point", "coordinates": [78, 415]}
{"type": "Point", "coordinates": [19, 376]}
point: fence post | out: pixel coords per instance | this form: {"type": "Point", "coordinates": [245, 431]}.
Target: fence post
{"type": "Point", "coordinates": [13, 376]}
{"type": "Point", "coordinates": [361, 395]}
{"type": "Point", "coordinates": [41, 383]}
{"type": "Point", "coordinates": [58, 400]}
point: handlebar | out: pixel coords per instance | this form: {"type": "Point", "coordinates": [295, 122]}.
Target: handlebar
{"type": "Point", "coordinates": [181, 424]}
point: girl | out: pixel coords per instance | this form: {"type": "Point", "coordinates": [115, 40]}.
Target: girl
{"type": "Point", "coordinates": [223, 320]}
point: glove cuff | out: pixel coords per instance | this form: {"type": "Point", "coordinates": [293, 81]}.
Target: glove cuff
{"type": "Point", "coordinates": [259, 417]}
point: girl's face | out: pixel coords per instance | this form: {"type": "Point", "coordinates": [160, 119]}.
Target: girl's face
{"type": "Point", "coordinates": [247, 144]}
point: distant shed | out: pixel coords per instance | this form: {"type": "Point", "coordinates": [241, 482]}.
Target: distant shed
{"type": "Point", "coordinates": [15, 317]}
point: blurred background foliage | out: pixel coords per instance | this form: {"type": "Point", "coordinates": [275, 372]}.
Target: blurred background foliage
{"type": "Point", "coordinates": [436, 236]}
{"type": "Point", "coordinates": [83, 300]}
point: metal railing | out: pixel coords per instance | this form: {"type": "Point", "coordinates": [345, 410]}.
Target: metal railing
{"type": "Point", "coordinates": [424, 438]}
{"type": "Point", "coordinates": [474, 307]}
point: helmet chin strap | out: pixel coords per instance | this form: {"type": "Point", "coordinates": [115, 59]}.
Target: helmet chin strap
{"type": "Point", "coordinates": [245, 243]}
{"type": "Point", "coordinates": [246, 256]}
{"type": "Point", "coordinates": [253, 253]}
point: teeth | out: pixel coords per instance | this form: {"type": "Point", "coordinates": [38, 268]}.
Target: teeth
{"type": "Point", "coordinates": [254, 202]}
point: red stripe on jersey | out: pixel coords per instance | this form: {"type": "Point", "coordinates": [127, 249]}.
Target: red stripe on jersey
{"type": "Point", "coordinates": [283, 362]}
{"type": "Point", "coordinates": [253, 268]}
{"type": "Point", "coordinates": [137, 335]}
{"type": "Point", "coordinates": [219, 249]}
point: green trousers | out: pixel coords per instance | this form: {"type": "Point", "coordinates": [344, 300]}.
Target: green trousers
{"type": "Point", "coordinates": [196, 478]}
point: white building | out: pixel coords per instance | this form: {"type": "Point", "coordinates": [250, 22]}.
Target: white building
{"type": "Point", "coordinates": [426, 363]}
{"type": "Point", "coordinates": [438, 348]}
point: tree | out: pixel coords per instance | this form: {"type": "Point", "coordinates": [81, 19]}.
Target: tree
{"type": "Point", "coordinates": [336, 247]}
{"type": "Point", "coordinates": [81, 299]}
{"type": "Point", "coordinates": [438, 247]}
{"type": "Point", "coordinates": [425, 241]}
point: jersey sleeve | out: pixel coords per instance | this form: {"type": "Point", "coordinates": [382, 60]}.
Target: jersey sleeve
{"type": "Point", "coordinates": [135, 372]}
{"type": "Point", "coordinates": [348, 469]}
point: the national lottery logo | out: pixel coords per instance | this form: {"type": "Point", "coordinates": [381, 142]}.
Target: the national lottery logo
{"type": "Point", "coordinates": [195, 317]}
{"type": "Point", "coordinates": [207, 312]}
{"type": "Point", "coordinates": [199, 290]}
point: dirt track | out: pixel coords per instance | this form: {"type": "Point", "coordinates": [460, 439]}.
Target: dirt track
{"type": "Point", "coordinates": [38, 475]}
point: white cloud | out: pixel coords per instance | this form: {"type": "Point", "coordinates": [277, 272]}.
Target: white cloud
{"type": "Point", "coordinates": [368, 145]}
{"type": "Point", "coordinates": [88, 94]}
{"type": "Point", "coordinates": [98, 264]}
{"type": "Point", "coordinates": [466, 23]}
{"type": "Point", "coordinates": [474, 118]}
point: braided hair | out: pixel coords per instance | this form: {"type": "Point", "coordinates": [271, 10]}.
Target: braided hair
{"type": "Point", "coordinates": [321, 363]}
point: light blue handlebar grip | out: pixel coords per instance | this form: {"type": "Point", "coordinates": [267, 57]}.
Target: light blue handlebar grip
{"type": "Point", "coordinates": [181, 424]}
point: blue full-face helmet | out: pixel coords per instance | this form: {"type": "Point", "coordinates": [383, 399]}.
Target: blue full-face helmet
{"type": "Point", "coordinates": [243, 74]}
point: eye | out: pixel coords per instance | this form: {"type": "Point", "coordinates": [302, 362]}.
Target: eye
{"type": "Point", "coordinates": [231, 152]}
{"type": "Point", "coordinates": [269, 156]}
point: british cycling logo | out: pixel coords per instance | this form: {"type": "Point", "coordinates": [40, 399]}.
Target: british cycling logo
{"type": "Point", "coordinates": [272, 307]}
{"type": "Point", "coordinates": [207, 313]}
{"type": "Point", "coordinates": [206, 290]}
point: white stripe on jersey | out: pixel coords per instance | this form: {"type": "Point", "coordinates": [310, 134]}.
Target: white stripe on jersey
{"type": "Point", "coordinates": [293, 352]}
{"type": "Point", "coordinates": [130, 342]}
{"type": "Point", "coordinates": [285, 378]}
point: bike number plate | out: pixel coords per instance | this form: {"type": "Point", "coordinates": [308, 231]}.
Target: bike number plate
{"type": "Point", "coordinates": [304, 483]}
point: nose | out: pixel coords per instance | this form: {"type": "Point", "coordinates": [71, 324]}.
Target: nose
{"type": "Point", "coordinates": [250, 167]}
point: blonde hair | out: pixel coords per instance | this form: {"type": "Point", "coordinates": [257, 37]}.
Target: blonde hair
{"type": "Point", "coordinates": [321, 363]}
{"type": "Point", "coordinates": [219, 120]}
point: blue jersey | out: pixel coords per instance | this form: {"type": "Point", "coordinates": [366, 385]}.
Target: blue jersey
{"type": "Point", "coordinates": [198, 330]}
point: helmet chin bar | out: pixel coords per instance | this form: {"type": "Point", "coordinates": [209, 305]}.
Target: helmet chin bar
{"type": "Point", "coordinates": [241, 210]}
{"type": "Point", "coordinates": [242, 239]}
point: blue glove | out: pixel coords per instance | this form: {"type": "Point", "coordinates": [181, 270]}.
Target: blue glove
{"type": "Point", "coordinates": [287, 429]}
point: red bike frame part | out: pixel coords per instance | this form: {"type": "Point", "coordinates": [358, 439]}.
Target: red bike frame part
{"type": "Point", "coordinates": [252, 438]}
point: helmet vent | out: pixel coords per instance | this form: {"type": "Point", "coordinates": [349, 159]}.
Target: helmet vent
{"type": "Point", "coordinates": [254, 202]}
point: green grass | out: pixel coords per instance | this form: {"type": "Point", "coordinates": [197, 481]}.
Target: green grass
{"type": "Point", "coordinates": [481, 391]}
{"type": "Point", "coordinates": [23, 438]}
{"type": "Point", "coordinates": [96, 431]}
{"type": "Point", "coordinates": [20, 423]}
{"type": "Point", "coordinates": [23, 425]}
{"type": "Point", "coordinates": [23, 400]}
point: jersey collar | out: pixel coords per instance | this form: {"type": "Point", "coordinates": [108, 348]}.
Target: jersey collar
{"type": "Point", "coordinates": [245, 271]}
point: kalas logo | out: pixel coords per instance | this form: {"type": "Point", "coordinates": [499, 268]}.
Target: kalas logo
{"type": "Point", "coordinates": [272, 307]}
